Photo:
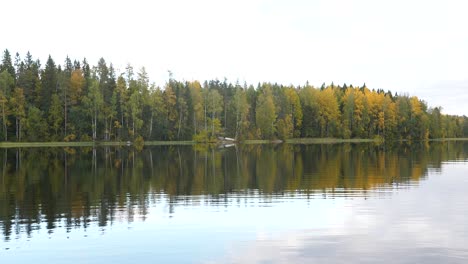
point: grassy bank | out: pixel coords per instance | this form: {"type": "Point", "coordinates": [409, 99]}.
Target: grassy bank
{"type": "Point", "coordinates": [260, 141]}
{"type": "Point", "coordinates": [328, 140]}
{"type": "Point", "coordinates": [166, 143]}
{"type": "Point", "coordinates": [358, 140]}
{"type": "Point", "coordinates": [86, 144]}
{"type": "Point", "coordinates": [449, 139]}
{"type": "Point", "coordinates": [45, 144]}
{"type": "Point", "coordinates": [176, 143]}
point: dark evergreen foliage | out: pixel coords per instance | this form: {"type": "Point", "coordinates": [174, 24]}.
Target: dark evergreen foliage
{"type": "Point", "coordinates": [75, 101]}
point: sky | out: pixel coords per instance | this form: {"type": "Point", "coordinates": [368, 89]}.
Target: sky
{"type": "Point", "coordinates": [417, 47]}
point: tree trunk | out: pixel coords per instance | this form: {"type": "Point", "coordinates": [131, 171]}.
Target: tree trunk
{"type": "Point", "coordinates": [66, 116]}
{"type": "Point", "coordinates": [4, 122]}
{"type": "Point", "coordinates": [19, 129]}
{"type": "Point", "coordinates": [122, 120]}
{"type": "Point", "coordinates": [17, 135]}
{"type": "Point", "coordinates": [212, 124]}
{"type": "Point", "coordinates": [205, 114]}
{"type": "Point", "coordinates": [194, 123]}
{"type": "Point", "coordinates": [106, 129]}
{"type": "Point", "coordinates": [237, 124]}
{"type": "Point", "coordinates": [151, 126]}
{"type": "Point", "coordinates": [110, 129]}
{"type": "Point", "coordinates": [95, 125]}
{"type": "Point", "coordinates": [180, 123]}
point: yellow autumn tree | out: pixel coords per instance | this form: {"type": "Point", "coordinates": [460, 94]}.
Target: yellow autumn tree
{"type": "Point", "coordinates": [329, 113]}
{"type": "Point", "coordinates": [295, 109]}
{"type": "Point", "coordinates": [354, 108]}
{"type": "Point", "coordinates": [77, 82]}
{"type": "Point", "coordinates": [389, 117]}
{"type": "Point", "coordinates": [375, 107]}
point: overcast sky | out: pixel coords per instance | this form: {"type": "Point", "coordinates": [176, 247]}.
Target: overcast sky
{"type": "Point", "coordinates": [419, 47]}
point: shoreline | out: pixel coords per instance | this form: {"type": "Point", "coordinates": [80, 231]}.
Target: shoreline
{"type": "Point", "coordinates": [176, 143]}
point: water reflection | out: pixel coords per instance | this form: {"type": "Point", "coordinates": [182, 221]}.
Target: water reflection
{"type": "Point", "coordinates": [420, 225]}
{"type": "Point", "coordinates": [75, 188]}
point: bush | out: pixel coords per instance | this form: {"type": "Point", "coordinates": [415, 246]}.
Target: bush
{"type": "Point", "coordinates": [69, 138]}
{"type": "Point", "coordinates": [201, 137]}
{"type": "Point", "coordinates": [139, 143]}
{"type": "Point", "coordinates": [85, 138]}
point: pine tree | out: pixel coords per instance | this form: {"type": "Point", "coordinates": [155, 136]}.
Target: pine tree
{"type": "Point", "coordinates": [49, 81]}
{"type": "Point", "coordinates": [7, 64]}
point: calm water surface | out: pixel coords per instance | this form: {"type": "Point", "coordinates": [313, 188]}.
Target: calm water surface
{"type": "Point", "coordinates": [340, 203]}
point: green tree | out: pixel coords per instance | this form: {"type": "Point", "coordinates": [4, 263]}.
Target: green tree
{"type": "Point", "coordinates": [404, 117]}
{"type": "Point", "coordinates": [55, 117]}
{"type": "Point", "coordinates": [7, 83]}
{"type": "Point", "coordinates": [93, 103]}
{"type": "Point", "coordinates": [36, 126]}
{"type": "Point", "coordinates": [18, 107]}
{"type": "Point", "coordinates": [390, 117]}
{"type": "Point", "coordinates": [171, 114]}
{"type": "Point", "coordinates": [156, 103]}
{"type": "Point", "coordinates": [266, 114]}
{"type": "Point", "coordinates": [5, 112]}
{"type": "Point", "coordinates": [285, 127]}
{"type": "Point", "coordinates": [241, 108]}
{"type": "Point", "coordinates": [28, 78]}
{"type": "Point", "coordinates": [197, 102]}
{"type": "Point", "coordinates": [294, 110]}
{"type": "Point", "coordinates": [135, 103]}
{"type": "Point", "coordinates": [214, 106]}
{"type": "Point", "coordinates": [436, 127]}
{"type": "Point", "coordinates": [310, 125]}
{"type": "Point", "coordinates": [107, 85]}
{"type": "Point", "coordinates": [122, 102]}
{"type": "Point", "coordinates": [7, 64]}
{"type": "Point", "coordinates": [49, 81]}
{"type": "Point", "coordinates": [182, 108]}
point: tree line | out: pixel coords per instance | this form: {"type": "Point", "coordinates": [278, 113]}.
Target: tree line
{"type": "Point", "coordinates": [77, 101]}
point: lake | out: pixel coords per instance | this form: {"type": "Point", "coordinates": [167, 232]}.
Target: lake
{"type": "Point", "coordinates": [334, 203]}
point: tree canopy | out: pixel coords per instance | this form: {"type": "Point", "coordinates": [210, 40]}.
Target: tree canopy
{"type": "Point", "coordinates": [78, 101]}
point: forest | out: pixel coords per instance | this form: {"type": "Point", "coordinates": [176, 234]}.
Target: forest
{"type": "Point", "coordinates": [76, 101]}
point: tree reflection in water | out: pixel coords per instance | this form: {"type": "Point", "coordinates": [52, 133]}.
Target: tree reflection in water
{"type": "Point", "coordinates": [73, 188]}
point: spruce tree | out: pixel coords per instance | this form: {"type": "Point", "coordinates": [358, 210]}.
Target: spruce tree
{"type": "Point", "coordinates": [7, 64]}
{"type": "Point", "coordinates": [49, 84]}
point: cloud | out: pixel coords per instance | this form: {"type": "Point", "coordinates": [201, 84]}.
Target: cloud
{"type": "Point", "coordinates": [425, 224]}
